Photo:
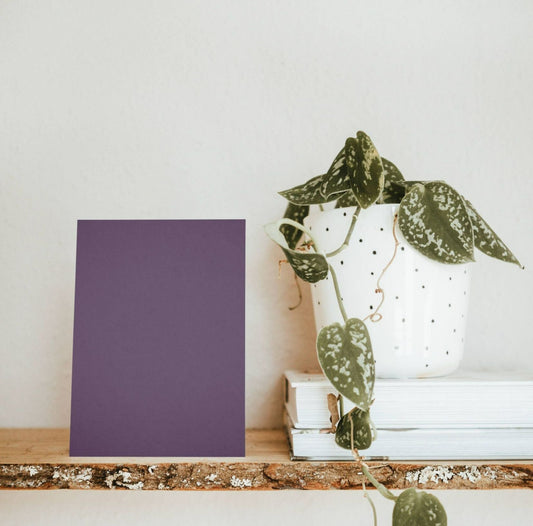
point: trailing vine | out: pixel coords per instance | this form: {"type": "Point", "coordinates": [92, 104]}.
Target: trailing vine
{"type": "Point", "coordinates": [435, 220]}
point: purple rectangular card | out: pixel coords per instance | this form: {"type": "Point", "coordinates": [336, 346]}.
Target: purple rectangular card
{"type": "Point", "coordinates": [158, 365]}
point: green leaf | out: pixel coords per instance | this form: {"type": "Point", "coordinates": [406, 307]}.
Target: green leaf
{"type": "Point", "coordinates": [308, 193]}
{"type": "Point", "coordinates": [309, 266]}
{"type": "Point", "coordinates": [365, 169]}
{"type": "Point", "coordinates": [297, 213]}
{"type": "Point", "coordinates": [402, 187]}
{"type": "Point", "coordinates": [346, 199]}
{"type": "Point", "coordinates": [418, 508]}
{"type": "Point", "coordinates": [487, 240]}
{"type": "Point", "coordinates": [392, 191]}
{"type": "Point", "coordinates": [362, 430]}
{"type": "Point", "coordinates": [434, 220]}
{"type": "Point", "coordinates": [337, 179]}
{"type": "Point", "coordinates": [345, 355]}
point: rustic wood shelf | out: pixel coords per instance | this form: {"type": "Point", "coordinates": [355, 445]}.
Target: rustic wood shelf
{"type": "Point", "coordinates": [38, 459]}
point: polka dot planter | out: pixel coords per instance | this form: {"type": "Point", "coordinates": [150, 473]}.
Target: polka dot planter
{"type": "Point", "coordinates": [421, 332]}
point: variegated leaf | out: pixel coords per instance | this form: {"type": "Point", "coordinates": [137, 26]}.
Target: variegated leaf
{"type": "Point", "coordinates": [308, 193]}
{"type": "Point", "coordinates": [309, 266]}
{"type": "Point", "coordinates": [346, 199]}
{"type": "Point", "coordinates": [297, 213]}
{"type": "Point", "coordinates": [418, 508]}
{"type": "Point", "coordinates": [345, 355]}
{"type": "Point", "coordinates": [434, 220]}
{"type": "Point", "coordinates": [392, 193]}
{"type": "Point", "coordinates": [362, 430]}
{"type": "Point", "coordinates": [487, 240]}
{"type": "Point", "coordinates": [336, 180]}
{"type": "Point", "coordinates": [365, 169]}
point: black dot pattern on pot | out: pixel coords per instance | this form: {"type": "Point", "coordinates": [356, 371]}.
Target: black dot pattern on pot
{"type": "Point", "coordinates": [423, 285]}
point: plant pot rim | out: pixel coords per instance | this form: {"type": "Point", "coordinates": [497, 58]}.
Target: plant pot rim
{"type": "Point", "coordinates": [334, 211]}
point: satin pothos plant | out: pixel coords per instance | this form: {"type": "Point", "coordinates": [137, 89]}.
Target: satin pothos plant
{"type": "Point", "coordinates": [434, 219]}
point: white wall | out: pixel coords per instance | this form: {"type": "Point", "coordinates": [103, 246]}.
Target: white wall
{"type": "Point", "coordinates": [174, 109]}
{"type": "Point", "coordinates": [309, 508]}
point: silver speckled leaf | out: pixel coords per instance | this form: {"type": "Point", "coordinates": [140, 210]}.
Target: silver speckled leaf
{"type": "Point", "coordinates": [297, 213]}
{"type": "Point", "coordinates": [418, 508]}
{"type": "Point", "coordinates": [362, 430]}
{"type": "Point", "coordinates": [337, 179]}
{"type": "Point", "coordinates": [392, 193]}
{"type": "Point", "coordinates": [309, 266]}
{"type": "Point", "coordinates": [487, 240]}
{"type": "Point", "coordinates": [346, 199]}
{"type": "Point", "coordinates": [345, 355]}
{"type": "Point", "coordinates": [364, 168]}
{"type": "Point", "coordinates": [434, 220]}
{"type": "Point", "coordinates": [308, 193]}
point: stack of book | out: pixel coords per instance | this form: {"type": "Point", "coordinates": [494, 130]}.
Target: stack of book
{"type": "Point", "coordinates": [465, 416]}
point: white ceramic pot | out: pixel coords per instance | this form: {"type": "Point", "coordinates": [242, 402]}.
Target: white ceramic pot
{"type": "Point", "coordinates": [422, 329]}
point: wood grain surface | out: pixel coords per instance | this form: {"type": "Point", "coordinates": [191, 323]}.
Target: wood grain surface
{"type": "Point", "coordinates": [39, 459]}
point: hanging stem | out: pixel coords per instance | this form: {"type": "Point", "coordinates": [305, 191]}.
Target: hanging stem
{"type": "Point", "coordinates": [346, 241]}
{"type": "Point", "coordinates": [376, 316]}
{"type": "Point", "coordinates": [299, 292]}
{"type": "Point", "coordinates": [367, 496]}
{"type": "Point", "coordinates": [338, 293]}
{"type": "Point", "coordinates": [380, 487]}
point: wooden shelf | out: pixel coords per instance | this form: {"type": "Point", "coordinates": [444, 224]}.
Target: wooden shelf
{"type": "Point", "coordinates": [38, 459]}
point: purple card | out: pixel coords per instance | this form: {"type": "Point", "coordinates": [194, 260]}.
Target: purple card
{"type": "Point", "coordinates": [158, 366]}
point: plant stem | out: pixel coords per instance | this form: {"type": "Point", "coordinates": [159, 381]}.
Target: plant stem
{"type": "Point", "coordinates": [341, 405]}
{"type": "Point", "coordinates": [295, 224]}
{"type": "Point", "coordinates": [299, 293]}
{"type": "Point", "coordinates": [374, 513]}
{"type": "Point", "coordinates": [380, 487]}
{"type": "Point", "coordinates": [338, 293]}
{"type": "Point", "coordinates": [346, 241]}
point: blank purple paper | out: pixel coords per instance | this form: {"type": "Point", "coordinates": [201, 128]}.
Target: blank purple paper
{"type": "Point", "coordinates": [158, 365]}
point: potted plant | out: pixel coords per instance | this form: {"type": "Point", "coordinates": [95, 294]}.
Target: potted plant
{"type": "Point", "coordinates": [395, 253]}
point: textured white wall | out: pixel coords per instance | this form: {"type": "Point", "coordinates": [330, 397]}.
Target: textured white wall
{"type": "Point", "coordinates": [174, 109]}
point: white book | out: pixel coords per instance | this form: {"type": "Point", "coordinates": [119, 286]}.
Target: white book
{"type": "Point", "coordinates": [419, 444]}
{"type": "Point", "coordinates": [462, 400]}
